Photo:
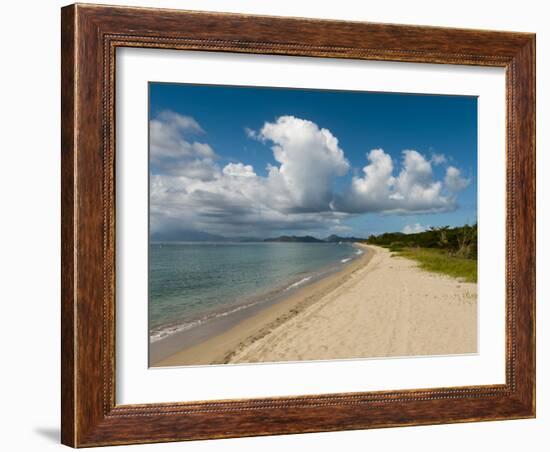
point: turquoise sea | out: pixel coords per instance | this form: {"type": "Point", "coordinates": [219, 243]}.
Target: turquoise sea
{"type": "Point", "coordinates": [192, 283]}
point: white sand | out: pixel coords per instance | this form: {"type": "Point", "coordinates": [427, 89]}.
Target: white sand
{"type": "Point", "coordinates": [387, 308]}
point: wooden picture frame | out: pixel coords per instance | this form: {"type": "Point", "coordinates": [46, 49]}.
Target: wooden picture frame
{"type": "Point", "coordinates": [90, 36]}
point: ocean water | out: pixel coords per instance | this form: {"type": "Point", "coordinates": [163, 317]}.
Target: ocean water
{"type": "Point", "coordinates": [193, 283]}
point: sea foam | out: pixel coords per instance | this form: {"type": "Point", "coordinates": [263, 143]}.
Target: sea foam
{"type": "Point", "coordinates": [299, 283]}
{"type": "Point", "coordinates": [168, 331]}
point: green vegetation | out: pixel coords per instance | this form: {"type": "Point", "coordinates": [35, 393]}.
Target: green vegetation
{"type": "Point", "coordinates": [439, 261]}
{"type": "Point", "coordinates": [452, 251]}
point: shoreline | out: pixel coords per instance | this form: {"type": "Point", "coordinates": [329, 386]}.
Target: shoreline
{"type": "Point", "coordinates": [380, 305]}
{"type": "Point", "coordinates": [216, 349]}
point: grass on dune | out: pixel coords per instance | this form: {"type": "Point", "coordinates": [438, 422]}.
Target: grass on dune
{"type": "Point", "coordinates": [439, 261]}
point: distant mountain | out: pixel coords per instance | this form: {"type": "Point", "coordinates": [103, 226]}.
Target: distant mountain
{"type": "Point", "coordinates": [294, 239]}
{"type": "Point", "coordinates": [188, 235]}
{"type": "Point", "coordinates": [337, 238]}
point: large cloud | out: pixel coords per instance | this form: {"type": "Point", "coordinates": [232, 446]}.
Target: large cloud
{"type": "Point", "coordinates": [309, 160]}
{"type": "Point", "coordinates": [413, 190]}
{"type": "Point", "coordinates": [295, 194]}
{"type": "Point", "coordinates": [236, 202]}
{"type": "Point", "coordinates": [190, 191]}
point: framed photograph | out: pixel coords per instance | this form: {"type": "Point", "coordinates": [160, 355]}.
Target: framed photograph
{"type": "Point", "coordinates": [281, 225]}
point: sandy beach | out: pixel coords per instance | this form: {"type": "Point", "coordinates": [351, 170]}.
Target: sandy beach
{"type": "Point", "coordinates": [378, 306]}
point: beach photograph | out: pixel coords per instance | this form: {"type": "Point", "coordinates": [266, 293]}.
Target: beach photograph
{"type": "Point", "coordinates": [292, 225]}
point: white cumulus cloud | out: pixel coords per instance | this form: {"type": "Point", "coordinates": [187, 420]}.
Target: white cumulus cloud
{"type": "Point", "coordinates": [413, 190]}
{"type": "Point", "coordinates": [190, 190]}
{"type": "Point", "coordinates": [454, 181]}
{"type": "Point", "coordinates": [309, 159]}
{"type": "Point", "coordinates": [439, 159]}
{"type": "Point", "coordinates": [297, 192]}
{"type": "Point", "coordinates": [172, 151]}
{"type": "Point", "coordinates": [414, 228]}
{"type": "Point", "coordinates": [239, 170]}
{"type": "Point", "coordinates": [372, 191]}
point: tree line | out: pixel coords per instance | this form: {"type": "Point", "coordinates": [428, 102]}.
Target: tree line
{"type": "Point", "coordinates": [459, 241]}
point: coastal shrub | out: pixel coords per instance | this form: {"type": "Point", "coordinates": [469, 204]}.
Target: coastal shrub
{"type": "Point", "coordinates": [460, 241]}
{"type": "Point", "coordinates": [395, 246]}
{"type": "Point", "coordinates": [439, 261]}
{"type": "Point", "coordinates": [451, 251]}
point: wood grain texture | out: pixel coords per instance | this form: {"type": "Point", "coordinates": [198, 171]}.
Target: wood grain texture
{"type": "Point", "coordinates": [68, 146]}
{"type": "Point", "coordinates": [90, 36]}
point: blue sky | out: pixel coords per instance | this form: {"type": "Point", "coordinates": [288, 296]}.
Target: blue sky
{"type": "Point", "coordinates": [217, 146]}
